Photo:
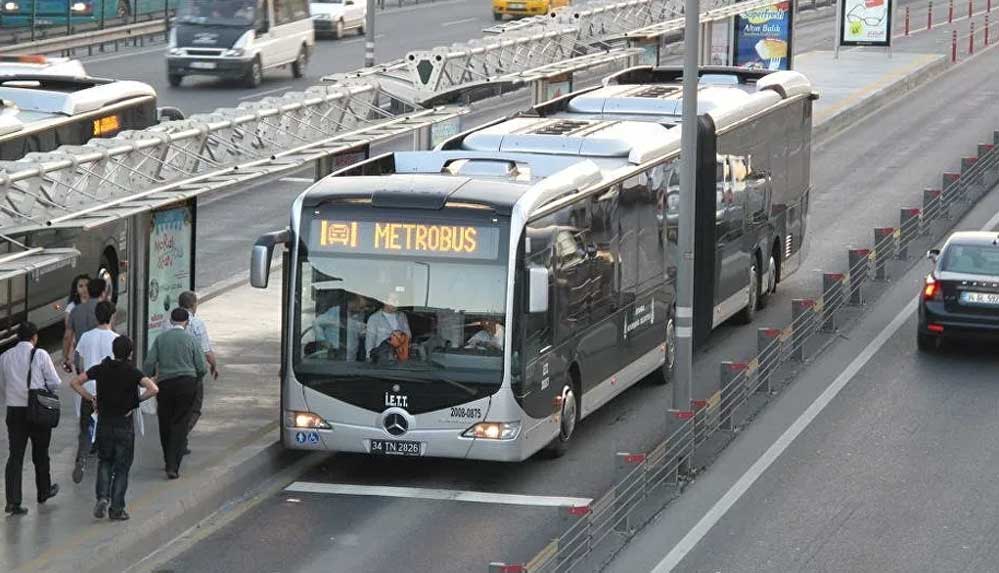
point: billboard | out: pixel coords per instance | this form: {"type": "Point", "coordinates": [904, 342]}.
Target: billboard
{"type": "Point", "coordinates": [762, 37]}
{"type": "Point", "coordinates": [170, 265]}
{"type": "Point", "coordinates": [865, 23]}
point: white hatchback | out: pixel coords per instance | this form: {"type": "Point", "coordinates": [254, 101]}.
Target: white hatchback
{"type": "Point", "coordinates": [337, 16]}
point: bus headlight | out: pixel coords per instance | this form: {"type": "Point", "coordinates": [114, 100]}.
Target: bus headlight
{"type": "Point", "coordinates": [11, 6]}
{"type": "Point", "coordinates": [493, 430]}
{"type": "Point", "coordinates": [79, 7]}
{"type": "Point", "coordinates": [293, 419]}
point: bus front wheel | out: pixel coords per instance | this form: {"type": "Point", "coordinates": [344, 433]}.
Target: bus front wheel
{"type": "Point", "coordinates": [668, 369]}
{"type": "Point", "coordinates": [568, 419]}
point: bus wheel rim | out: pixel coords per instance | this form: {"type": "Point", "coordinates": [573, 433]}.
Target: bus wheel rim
{"type": "Point", "coordinates": [753, 287]}
{"type": "Point", "coordinates": [670, 344]}
{"type": "Point", "coordinates": [568, 413]}
{"type": "Point", "coordinates": [772, 275]}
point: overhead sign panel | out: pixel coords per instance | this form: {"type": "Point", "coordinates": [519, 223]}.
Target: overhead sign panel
{"type": "Point", "coordinates": [865, 22]}
{"type": "Point", "coordinates": [762, 37]}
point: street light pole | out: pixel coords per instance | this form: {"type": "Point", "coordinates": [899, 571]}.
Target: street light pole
{"type": "Point", "coordinates": [369, 35]}
{"type": "Point", "coordinates": [682, 386]}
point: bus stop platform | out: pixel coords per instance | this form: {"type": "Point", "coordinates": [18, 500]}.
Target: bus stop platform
{"type": "Point", "coordinates": [234, 448]}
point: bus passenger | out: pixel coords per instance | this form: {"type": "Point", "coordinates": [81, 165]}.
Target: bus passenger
{"type": "Point", "coordinates": [384, 323]}
{"type": "Point", "coordinates": [490, 337]}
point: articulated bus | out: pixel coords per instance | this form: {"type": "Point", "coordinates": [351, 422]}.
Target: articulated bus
{"type": "Point", "coordinates": [39, 113]}
{"type": "Point", "coordinates": [57, 12]}
{"type": "Point", "coordinates": [479, 300]}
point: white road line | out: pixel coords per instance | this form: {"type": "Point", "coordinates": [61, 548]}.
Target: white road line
{"type": "Point", "coordinates": [265, 92]}
{"type": "Point", "coordinates": [742, 485]}
{"type": "Point", "coordinates": [456, 22]}
{"type": "Point", "coordinates": [438, 494]}
{"type": "Point", "coordinates": [126, 54]}
{"type": "Point", "coordinates": [297, 180]}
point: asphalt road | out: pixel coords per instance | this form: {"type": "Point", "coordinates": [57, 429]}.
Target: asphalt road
{"type": "Point", "coordinates": [896, 473]}
{"type": "Point", "coordinates": [861, 178]}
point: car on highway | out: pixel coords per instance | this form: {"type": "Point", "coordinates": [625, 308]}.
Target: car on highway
{"type": "Point", "coordinates": [521, 8]}
{"type": "Point", "coordinates": [239, 39]}
{"type": "Point", "coordinates": [335, 17]}
{"type": "Point", "coordinates": [960, 297]}
{"type": "Point", "coordinates": [40, 65]}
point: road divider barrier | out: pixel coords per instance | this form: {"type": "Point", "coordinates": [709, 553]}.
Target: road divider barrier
{"type": "Point", "coordinates": [647, 481]}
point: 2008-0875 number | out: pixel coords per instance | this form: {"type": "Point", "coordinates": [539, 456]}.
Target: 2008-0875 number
{"type": "Point", "coordinates": [459, 412]}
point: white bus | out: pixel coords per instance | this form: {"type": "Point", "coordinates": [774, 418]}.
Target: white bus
{"type": "Point", "coordinates": [479, 300]}
{"type": "Point", "coordinates": [39, 113]}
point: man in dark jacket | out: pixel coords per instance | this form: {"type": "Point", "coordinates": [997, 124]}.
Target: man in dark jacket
{"type": "Point", "coordinates": [117, 398]}
{"type": "Point", "coordinates": [177, 362]}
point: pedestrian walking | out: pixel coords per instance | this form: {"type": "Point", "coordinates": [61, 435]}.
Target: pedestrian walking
{"type": "Point", "coordinates": [196, 327]}
{"type": "Point", "coordinates": [117, 382]}
{"type": "Point", "coordinates": [78, 293]}
{"type": "Point", "coordinates": [82, 319]}
{"type": "Point", "coordinates": [26, 367]}
{"type": "Point", "coordinates": [94, 346]}
{"type": "Point", "coordinates": [176, 361]}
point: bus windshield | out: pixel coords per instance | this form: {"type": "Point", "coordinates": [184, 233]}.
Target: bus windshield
{"type": "Point", "coordinates": [217, 13]}
{"type": "Point", "coordinates": [428, 316]}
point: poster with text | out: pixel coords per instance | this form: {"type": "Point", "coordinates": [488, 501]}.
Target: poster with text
{"type": "Point", "coordinates": [762, 38]}
{"type": "Point", "coordinates": [866, 23]}
{"type": "Point", "coordinates": [170, 266]}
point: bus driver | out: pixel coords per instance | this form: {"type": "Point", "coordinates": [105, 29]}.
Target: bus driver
{"type": "Point", "coordinates": [490, 337]}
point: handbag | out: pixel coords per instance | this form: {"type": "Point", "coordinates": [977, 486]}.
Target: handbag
{"type": "Point", "coordinates": [43, 404]}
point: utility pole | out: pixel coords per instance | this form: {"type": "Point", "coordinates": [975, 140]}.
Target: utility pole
{"type": "Point", "coordinates": [682, 386]}
{"type": "Point", "coordinates": [369, 35]}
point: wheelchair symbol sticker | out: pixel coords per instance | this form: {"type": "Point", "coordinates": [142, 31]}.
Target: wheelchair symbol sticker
{"type": "Point", "coordinates": [310, 438]}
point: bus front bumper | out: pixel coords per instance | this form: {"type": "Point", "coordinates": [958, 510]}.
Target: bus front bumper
{"type": "Point", "coordinates": [436, 443]}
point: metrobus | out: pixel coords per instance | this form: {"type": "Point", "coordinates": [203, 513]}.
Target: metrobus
{"type": "Point", "coordinates": [39, 113]}
{"type": "Point", "coordinates": [479, 300]}
{"type": "Point", "coordinates": [57, 12]}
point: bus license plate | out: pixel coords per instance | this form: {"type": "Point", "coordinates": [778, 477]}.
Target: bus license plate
{"type": "Point", "coordinates": [395, 448]}
{"type": "Point", "coordinates": [986, 298]}
{"type": "Point", "coordinates": [202, 65]}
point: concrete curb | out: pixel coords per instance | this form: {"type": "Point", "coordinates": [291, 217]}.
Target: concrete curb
{"type": "Point", "coordinates": [842, 120]}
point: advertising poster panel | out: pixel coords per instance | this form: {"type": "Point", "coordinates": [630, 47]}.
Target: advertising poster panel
{"type": "Point", "coordinates": [762, 37]}
{"type": "Point", "coordinates": [170, 265]}
{"type": "Point", "coordinates": [865, 23]}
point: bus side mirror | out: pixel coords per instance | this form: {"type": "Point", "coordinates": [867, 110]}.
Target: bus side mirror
{"type": "Point", "coordinates": [537, 289]}
{"type": "Point", "coordinates": [260, 257]}
{"type": "Point", "coordinates": [932, 254]}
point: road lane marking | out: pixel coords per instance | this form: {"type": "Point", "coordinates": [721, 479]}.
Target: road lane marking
{"type": "Point", "coordinates": [438, 494]}
{"type": "Point", "coordinates": [265, 92]}
{"type": "Point", "coordinates": [742, 485]}
{"type": "Point", "coordinates": [297, 180]}
{"type": "Point", "coordinates": [456, 22]}
{"type": "Point", "coordinates": [128, 54]}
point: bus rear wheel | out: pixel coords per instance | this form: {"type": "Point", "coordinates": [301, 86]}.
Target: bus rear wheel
{"type": "Point", "coordinates": [668, 369]}
{"type": "Point", "coordinates": [568, 420]}
{"type": "Point", "coordinates": [746, 315]}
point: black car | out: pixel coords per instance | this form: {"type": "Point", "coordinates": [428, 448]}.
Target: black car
{"type": "Point", "coordinates": [961, 295]}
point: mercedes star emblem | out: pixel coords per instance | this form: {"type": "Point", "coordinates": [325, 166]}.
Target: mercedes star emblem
{"type": "Point", "coordinates": [396, 424]}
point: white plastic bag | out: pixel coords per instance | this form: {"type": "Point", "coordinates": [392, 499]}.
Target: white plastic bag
{"type": "Point", "coordinates": [148, 407]}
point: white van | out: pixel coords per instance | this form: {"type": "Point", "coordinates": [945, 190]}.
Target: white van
{"type": "Point", "coordinates": [239, 39]}
{"type": "Point", "coordinates": [338, 16]}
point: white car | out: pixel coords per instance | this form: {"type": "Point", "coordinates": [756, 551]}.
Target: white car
{"type": "Point", "coordinates": [40, 66]}
{"type": "Point", "coordinates": [338, 16]}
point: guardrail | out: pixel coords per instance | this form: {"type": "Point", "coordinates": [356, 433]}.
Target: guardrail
{"type": "Point", "coordinates": [95, 38]}
{"type": "Point", "coordinates": [648, 481]}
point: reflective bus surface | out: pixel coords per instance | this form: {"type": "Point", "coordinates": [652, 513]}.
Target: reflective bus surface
{"type": "Point", "coordinates": [481, 299]}
{"type": "Point", "coordinates": [39, 114]}
{"type": "Point", "coordinates": [57, 12]}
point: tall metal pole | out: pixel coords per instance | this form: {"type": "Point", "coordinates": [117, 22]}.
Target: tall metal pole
{"type": "Point", "coordinates": [682, 386]}
{"type": "Point", "coordinates": [369, 35]}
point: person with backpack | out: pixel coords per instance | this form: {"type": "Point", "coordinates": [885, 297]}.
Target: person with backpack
{"type": "Point", "coordinates": [25, 368]}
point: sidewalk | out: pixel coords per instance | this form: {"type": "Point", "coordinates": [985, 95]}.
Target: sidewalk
{"type": "Point", "coordinates": [234, 446]}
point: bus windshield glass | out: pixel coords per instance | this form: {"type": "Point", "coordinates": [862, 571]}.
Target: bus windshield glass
{"type": "Point", "coordinates": [240, 13]}
{"type": "Point", "coordinates": [401, 300]}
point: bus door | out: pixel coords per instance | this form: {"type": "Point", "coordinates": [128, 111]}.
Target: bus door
{"type": "Point", "coordinates": [731, 260]}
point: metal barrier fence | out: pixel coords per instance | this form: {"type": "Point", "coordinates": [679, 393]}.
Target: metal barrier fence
{"type": "Point", "coordinates": [643, 477]}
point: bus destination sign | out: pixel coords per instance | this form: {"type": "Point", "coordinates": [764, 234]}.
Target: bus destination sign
{"type": "Point", "coordinates": [405, 238]}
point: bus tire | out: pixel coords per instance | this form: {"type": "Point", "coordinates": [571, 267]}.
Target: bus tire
{"type": "Point", "coordinates": [568, 420]}
{"type": "Point", "coordinates": [175, 80]}
{"type": "Point", "coordinates": [254, 75]}
{"type": "Point", "coordinates": [769, 284]}
{"type": "Point", "coordinates": [300, 63]}
{"type": "Point", "coordinates": [668, 369]}
{"type": "Point", "coordinates": [745, 316]}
